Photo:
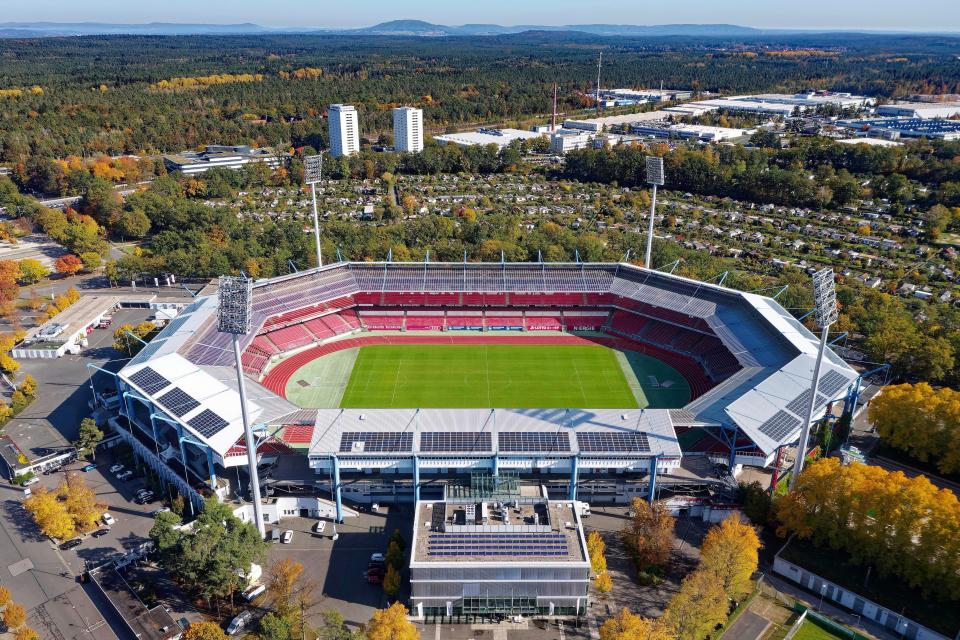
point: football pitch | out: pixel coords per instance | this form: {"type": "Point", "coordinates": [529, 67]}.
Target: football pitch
{"type": "Point", "coordinates": [514, 376]}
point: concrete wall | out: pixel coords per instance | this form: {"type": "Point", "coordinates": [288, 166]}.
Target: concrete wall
{"type": "Point", "coordinates": [898, 625]}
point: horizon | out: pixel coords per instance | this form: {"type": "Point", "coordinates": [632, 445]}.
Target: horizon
{"type": "Point", "coordinates": [925, 16]}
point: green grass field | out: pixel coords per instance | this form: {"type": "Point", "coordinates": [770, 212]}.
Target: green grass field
{"type": "Point", "coordinates": [810, 631]}
{"type": "Point", "coordinates": [477, 376]}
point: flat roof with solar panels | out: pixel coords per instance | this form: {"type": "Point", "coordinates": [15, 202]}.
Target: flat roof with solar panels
{"type": "Point", "coordinates": [467, 530]}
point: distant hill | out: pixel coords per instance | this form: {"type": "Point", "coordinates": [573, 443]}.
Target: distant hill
{"type": "Point", "coordinates": [414, 28]}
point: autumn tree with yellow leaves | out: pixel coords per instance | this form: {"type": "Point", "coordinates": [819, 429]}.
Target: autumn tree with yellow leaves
{"type": "Point", "coordinates": [629, 626]}
{"type": "Point", "coordinates": [729, 553]}
{"type": "Point", "coordinates": [391, 624]}
{"type": "Point", "coordinates": [72, 508]}
{"type": "Point", "coordinates": [921, 421]}
{"type": "Point", "coordinates": [698, 608]}
{"type": "Point", "coordinates": [649, 534]}
{"type": "Point", "coordinates": [904, 527]}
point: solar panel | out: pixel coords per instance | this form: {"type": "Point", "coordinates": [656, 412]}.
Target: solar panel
{"type": "Point", "coordinates": [603, 442]}
{"type": "Point", "coordinates": [149, 380]}
{"type": "Point", "coordinates": [375, 442]}
{"type": "Point", "coordinates": [178, 402]}
{"type": "Point", "coordinates": [147, 352]}
{"type": "Point", "coordinates": [207, 423]}
{"type": "Point", "coordinates": [534, 441]}
{"type": "Point", "coordinates": [175, 325]}
{"type": "Point", "coordinates": [454, 441]}
{"type": "Point", "coordinates": [801, 403]}
{"type": "Point", "coordinates": [779, 426]}
{"type": "Point", "coordinates": [831, 383]}
{"type": "Point", "coordinates": [496, 544]}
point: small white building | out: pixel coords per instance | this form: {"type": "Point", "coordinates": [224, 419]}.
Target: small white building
{"type": "Point", "coordinates": [566, 140]}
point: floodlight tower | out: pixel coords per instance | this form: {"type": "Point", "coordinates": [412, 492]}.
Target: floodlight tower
{"type": "Point", "coordinates": [654, 179]}
{"type": "Point", "coordinates": [233, 316]}
{"type": "Point", "coordinates": [312, 172]}
{"type": "Point", "coordinates": [825, 314]}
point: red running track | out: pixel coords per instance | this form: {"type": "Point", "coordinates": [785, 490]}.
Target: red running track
{"type": "Point", "coordinates": [276, 380]}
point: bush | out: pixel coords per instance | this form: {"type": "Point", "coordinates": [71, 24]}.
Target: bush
{"type": "Point", "coordinates": [14, 616]}
{"type": "Point", "coordinates": [21, 479]}
{"type": "Point", "coordinates": [4, 596]}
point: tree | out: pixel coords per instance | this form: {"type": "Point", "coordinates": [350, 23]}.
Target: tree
{"type": "Point", "coordinates": [8, 364]}
{"type": "Point", "coordinates": [68, 264]}
{"type": "Point", "coordinates": [277, 627]}
{"type": "Point", "coordinates": [394, 556]}
{"type": "Point", "coordinates": [91, 260]}
{"type": "Point", "coordinates": [604, 583]}
{"type": "Point", "coordinates": [14, 615]}
{"type": "Point", "coordinates": [204, 630]}
{"type": "Point", "coordinates": [921, 421]}
{"type": "Point", "coordinates": [333, 627]}
{"type": "Point", "coordinates": [132, 224]}
{"type": "Point", "coordinates": [28, 386]}
{"type": "Point", "coordinates": [284, 575]}
{"type": "Point", "coordinates": [629, 626]}
{"type": "Point", "coordinates": [698, 607]}
{"type": "Point", "coordinates": [649, 534]}
{"type": "Point", "coordinates": [4, 596]}
{"type": "Point", "coordinates": [26, 633]}
{"type": "Point", "coordinates": [165, 538]}
{"type": "Point", "coordinates": [81, 502]}
{"type": "Point", "coordinates": [391, 624]}
{"type": "Point", "coordinates": [49, 513]}
{"type": "Point", "coordinates": [391, 581]}
{"type": "Point", "coordinates": [32, 271]}
{"type": "Point", "coordinates": [88, 438]}
{"type": "Point", "coordinates": [729, 552]}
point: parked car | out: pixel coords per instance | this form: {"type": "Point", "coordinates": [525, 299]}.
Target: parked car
{"type": "Point", "coordinates": [287, 536]}
{"type": "Point", "coordinates": [123, 476]}
{"type": "Point", "coordinates": [239, 623]}
{"type": "Point", "coordinates": [117, 468]}
{"type": "Point", "coordinates": [375, 575]}
{"type": "Point", "coordinates": [320, 527]}
{"type": "Point", "coordinates": [70, 544]}
{"type": "Point", "coordinates": [275, 535]}
{"type": "Point", "coordinates": [108, 519]}
{"type": "Point", "coordinates": [253, 592]}
{"type": "Point", "coordinates": [377, 557]}
{"type": "Point", "coordinates": [90, 467]}
{"type": "Point", "coordinates": [33, 480]}
{"type": "Point", "coordinates": [99, 533]}
{"type": "Point", "coordinates": [157, 512]}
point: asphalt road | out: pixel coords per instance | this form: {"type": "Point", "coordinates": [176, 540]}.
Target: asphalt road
{"type": "Point", "coordinates": [749, 626]}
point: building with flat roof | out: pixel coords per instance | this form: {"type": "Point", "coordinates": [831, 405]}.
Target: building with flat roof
{"type": "Point", "coordinates": [491, 553]}
{"type": "Point", "coordinates": [225, 156]}
{"type": "Point", "coordinates": [689, 132]}
{"type": "Point", "coordinates": [923, 110]}
{"type": "Point", "coordinates": [143, 622]}
{"type": "Point", "coordinates": [645, 95]}
{"type": "Point", "coordinates": [896, 128]}
{"type": "Point", "coordinates": [408, 129]}
{"type": "Point", "coordinates": [566, 140]}
{"type": "Point", "coordinates": [344, 130]}
{"type": "Point", "coordinates": [499, 137]}
{"type": "Point", "coordinates": [779, 104]}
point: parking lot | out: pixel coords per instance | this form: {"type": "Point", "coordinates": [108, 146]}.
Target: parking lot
{"type": "Point", "coordinates": [337, 567]}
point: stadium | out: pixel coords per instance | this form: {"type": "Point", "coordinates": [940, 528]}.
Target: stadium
{"type": "Point", "coordinates": [383, 381]}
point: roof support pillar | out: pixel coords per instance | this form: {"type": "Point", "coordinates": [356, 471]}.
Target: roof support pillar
{"type": "Point", "coordinates": [335, 466]}
{"type": "Point", "coordinates": [210, 469]}
{"type": "Point", "coordinates": [416, 478]}
{"type": "Point", "coordinates": [652, 485]}
{"type": "Point", "coordinates": [496, 464]}
{"type": "Point", "coordinates": [574, 476]}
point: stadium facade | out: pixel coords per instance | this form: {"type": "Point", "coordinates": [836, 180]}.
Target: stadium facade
{"type": "Point", "coordinates": [748, 362]}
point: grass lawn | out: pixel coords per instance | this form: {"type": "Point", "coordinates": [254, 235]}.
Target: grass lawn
{"type": "Point", "coordinates": [474, 376]}
{"type": "Point", "coordinates": [810, 631]}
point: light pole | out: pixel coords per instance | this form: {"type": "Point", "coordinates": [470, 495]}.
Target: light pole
{"type": "Point", "coordinates": [654, 179]}
{"type": "Point", "coordinates": [823, 592]}
{"type": "Point", "coordinates": [825, 314]}
{"type": "Point", "coordinates": [233, 316]}
{"type": "Point", "coordinates": [312, 173]}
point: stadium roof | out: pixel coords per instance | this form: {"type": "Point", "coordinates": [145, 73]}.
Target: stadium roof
{"type": "Point", "coordinates": [775, 352]}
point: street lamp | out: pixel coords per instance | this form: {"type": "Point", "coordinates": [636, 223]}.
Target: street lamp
{"type": "Point", "coordinates": [654, 179]}
{"type": "Point", "coordinates": [312, 172]}
{"type": "Point", "coordinates": [235, 298]}
{"type": "Point", "coordinates": [823, 592]}
{"type": "Point", "coordinates": [825, 314]}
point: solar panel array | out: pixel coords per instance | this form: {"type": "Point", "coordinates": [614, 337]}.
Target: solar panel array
{"type": "Point", "coordinates": [497, 544]}
{"type": "Point", "coordinates": [178, 402]}
{"type": "Point", "coordinates": [207, 423]}
{"type": "Point", "coordinates": [534, 442]}
{"type": "Point", "coordinates": [454, 441]}
{"type": "Point", "coordinates": [175, 325]}
{"type": "Point", "coordinates": [376, 441]}
{"type": "Point", "coordinates": [147, 352]}
{"type": "Point", "coordinates": [779, 426]}
{"type": "Point", "coordinates": [800, 404]}
{"type": "Point", "coordinates": [831, 383]}
{"type": "Point", "coordinates": [613, 441]}
{"type": "Point", "coordinates": [149, 380]}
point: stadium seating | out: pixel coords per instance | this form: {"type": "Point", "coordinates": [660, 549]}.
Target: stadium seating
{"type": "Point", "coordinates": [574, 321]}
{"type": "Point", "coordinates": [381, 322]}
{"type": "Point", "coordinates": [549, 322]}
{"type": "Point", "coordinates": [290, 337]}
{"type": "Point", "coordinates": [628, 323]}
{"type": "Point", "coordinates": [504, 321]}
{"type": "Point", "coordinates": [433, 322]}
{"type": "Point", "coordinates": [319, 329]}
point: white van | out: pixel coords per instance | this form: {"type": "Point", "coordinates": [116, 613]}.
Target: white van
{"type": "Point", "coordinates": [253, 592]}
{"type": "Point", "coordinates": [237, 624]}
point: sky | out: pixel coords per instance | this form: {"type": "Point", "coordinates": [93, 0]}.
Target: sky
{"type": "Point", "coordinates": [922, 15]}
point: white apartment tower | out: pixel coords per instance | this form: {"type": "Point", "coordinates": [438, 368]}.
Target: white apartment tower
{"type": "Point", "coordinates": [408, 129]}
{"type": "Point", "coordinates": [344, 130]}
